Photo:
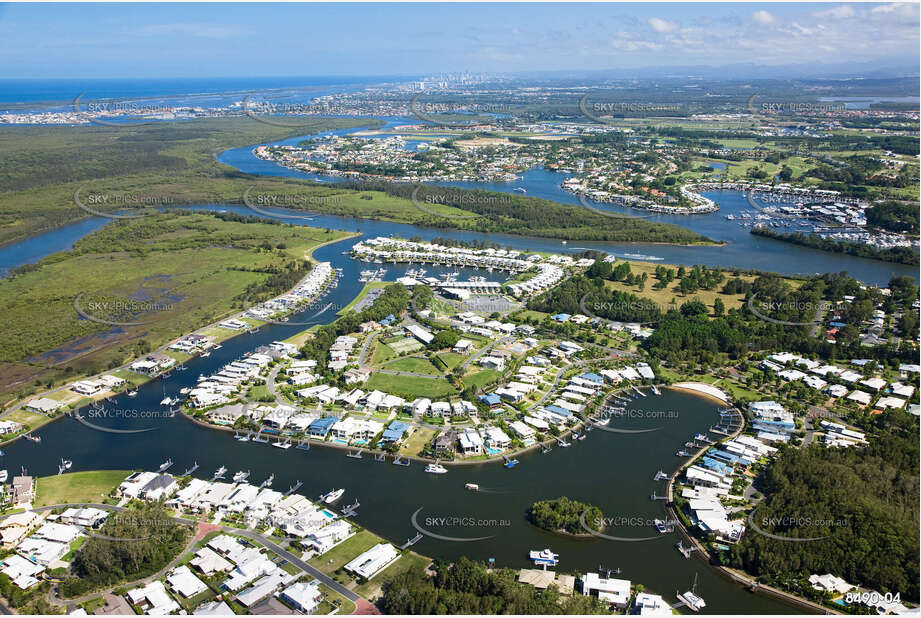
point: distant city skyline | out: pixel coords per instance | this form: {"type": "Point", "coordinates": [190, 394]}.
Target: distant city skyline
{"type": "Point", "coordinates": [223, 40]}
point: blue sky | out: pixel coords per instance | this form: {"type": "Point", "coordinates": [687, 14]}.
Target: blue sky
{"type": "Point", "coordinates": [207, 40]}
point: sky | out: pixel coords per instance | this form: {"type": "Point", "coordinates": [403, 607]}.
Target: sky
{"type": "Point", "coordinates": [232, 40]}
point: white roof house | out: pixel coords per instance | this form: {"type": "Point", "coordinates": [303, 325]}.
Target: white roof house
{"type": "Point", "coordinates": [182, 580]}
{"type": "Point", "coordinates": [373, 561]}
{"type": "Point", "coordinates": [615, 591]}
{"type": "Point", "coordinates": [304, 596]}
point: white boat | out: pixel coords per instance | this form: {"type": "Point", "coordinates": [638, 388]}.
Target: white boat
{"type": "Point", "coordinates": [332, 496]}
{"type": "Point", "coordinates": [242, 438]}
{"type": "Point", "coordinates": [691, 599]}
{"type": "Point", "coordinates": [660, 476]}
{"type": "Point", "coordinates": [240, 476]}
{"type": "Point", "coordinates": [3, 476]}
{"type": "Point", "coordinates": [472, 486]}
{"type": "Point", "coordinates": [220, 473]}
{"type": "Point", "coordinates": [661, 525]}
{"type": "Point", "coordinates": [66, 464]}
{"type": "Point", "coordinates": [544, 557]}
{"type": "Point", "coordinates": [520, 190]}
{"type": "Point", "coordinates": [132, 393]}
{"type": "Point", "coordinates": [435, 468]}
{"type": "Point", "coordinates": [166, 464]}
{"type": "Point", "coordinates": [166, 401]}
{"type": "Point", "coordinates": [206, 354]}
{"type": "Point", "coordinates": [280, 444]}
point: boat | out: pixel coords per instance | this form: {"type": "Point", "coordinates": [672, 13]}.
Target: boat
{"type": "Point", "coordinates": [66, 464]}
{"type": "Point", "coordinates": [661, 525]}
{"type": "Point", "coordinates": [435, 468]}
{"type": "Point", "coordinates": [184, 391]}
{"type": "Point", "coordinates": [520, 190]}
{"type": "Point", "coordinates": [242, 438]}
{"type": "Point", "coordinates": [217, 347]}
{"type": "Point", "coordinates": [132, 393]}
{"type": "Point", "coordinates": [240, 476]}
{"type": "Point", "coordinates": [220, 473]}
{"type": "Point", "coordinates": [682, 453]}
{"type": "Point", "coordinates": [36, 439]}
{"type": "Point", "coordinates": [3, 476]}
{"type": "Point", "coordinates": [166, 401]}
{"type": "Point", "coordinates": [544, 557]}
{"type": "Point", "coordinates": [205, 354]}
{"type": "Point", "coordinates": [332, 495]}
{"type": "Point", "coordinates": [660, 476]}
{"type": "Point", "coordinates": [2, 453]}
{"type": "Point", "coordinates": [691, 599]}
{"type": "Point", "coordinates": [603, 422]}
{"type": "Point", "coordinates": [282, 445]}
{"type": "Point", "coordinates": [166, 464]}
{"type": "Point", "coordinates": [468, 486]}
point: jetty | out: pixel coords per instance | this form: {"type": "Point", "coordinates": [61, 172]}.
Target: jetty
{"type": "Point", "coordinates": [260, 438]}
{"type": "Point", "coordinates": [685, 551]}
{"type": "Point", "coordinates": [351, 510]}
{"type": "Point", "coordinates": [654, 496]}
{"type": "Point", "coordinates": [638, 391]}
{"type": "Point", "coordinates": [293, 488]}
{"type": "Point", "coordinates": [355, 454]}
{"type": "Point", "coordinates": [412, 541]}
{"type": "Point", "coordinates": [656, 390]}
{"type": "Point", "coordinates": [304, 445]}
{"type": "Point", "coordinates": [191, 470]}
{"type": "Point", "coordinates": [399, 460]}
{"type": "Point", "coordinates": [380, 457]}
{"type": "Point", "coordinates": [509, 463]}
{"type": "Point", "coordinates": [268, 482]}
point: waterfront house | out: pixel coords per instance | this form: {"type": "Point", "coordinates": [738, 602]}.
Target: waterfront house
{"type": "Point", "coordinates": [43, 405]}
{"type": "Point", "coordinates": [320, 427]}
{"type": "Point", "coordinates": [373, 561]}
{"type": "Point", "coordinates": [495, 438]}
{"type": "Point", "coordinates": [470, 442]}
{"type": "Point", "coordinates": [444, 443]}
{"type": "Point", "coordinates": [647, 604]}
{"type": "Point", "coordinates": [395, 432]}
{"type": "Point", "coordinates": [22, 491]}
{"type": "Point", "coordinates": [613, 591]}
{"type": "Point", "coordinates": [226, 415]}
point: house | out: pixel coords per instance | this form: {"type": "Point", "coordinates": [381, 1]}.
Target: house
{"type": "Point", "coordinates": [209, 562]}
{"type": "Point", "coordinates": [614, 591]}
{"type": "Point", "coordinates": [470, 442]}
{"type": "Point", "coordinates": [153, 599]}
{"type": "Point", "coordinates": [830, 583]}
{"type": "Point", "coordinates": [87, 387]}
{"type": "Point", "coordinates": [492, 400]}
{"type": "Point", "coordinates": [182, 581]}
{"type": "Point", "coordinates": [43, 405]}
{"type": "Point", "coordinates": [462, 346]}
{"type": "Point", "coordinates": [495, 437]}
{"type": "Point", "coordinates": [22, 491]}
{"type": "Point", "coordinates": [440, 409]}
{"type": "Point", "coordinates": [647, 604]}
{"type": "Point", "coordinates": [492, 362]}
{"type": "Point", "coordinates": [373, 561]}
{"type": "Point", "coordinates": [420, 333]}
{"type": "Point", "coordinates": [303, 596]}
{"type": "Point", "coordinates": [395, 432]}
{"type": "Point", "coordinates": [320, 427]}
{"type": "Point", "coordinates": [860, 397]}
{"type": "Point", "coordinates": [523, 431]}
{"type": "Point", "coordinates": [445, 441]}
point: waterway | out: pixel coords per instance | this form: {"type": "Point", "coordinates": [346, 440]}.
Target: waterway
{"type": "Point", "coordinates": [613, 471]}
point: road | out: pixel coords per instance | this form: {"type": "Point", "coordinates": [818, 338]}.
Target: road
{"type": "Point", "coordinates": [258, 538]}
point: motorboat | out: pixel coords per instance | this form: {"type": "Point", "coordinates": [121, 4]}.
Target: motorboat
{"type": "Point", "coordinates": [166, 401]}
{"type": "Point", "coordinates": [166, 464]}
{"type": "Point", "coordinates": [332, 496]}
{"type": "Point", "coordinates": [435, 468]}
{"type": "Point", "coordinates": [220, 473]}
{"type": "Point", "coordinates": [692, 599]}
{"type": "Point", "coordinates": [544, 557]}
{"type": "Point", "coordinates": [661, 525]}
{"type": "Point", "coordinates": [3, 476]}
{"type": "Point", "coordinates": [66, 464]}
{"type": "Point", "coordinates": [240, 476]}
{"type": "Point", "coordinates": [282, 445]}
{"type": "Point", "coordinates": [471, 487]}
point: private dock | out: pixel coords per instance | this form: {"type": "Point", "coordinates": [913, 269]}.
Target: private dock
{"type": "Point", "coordinates": [293, 488]}
{"type": "Point", "coordinates": [355, 454]}
{"type": "Point", "coordinates": [380, 457]}
{"type": "Point", "coordinates": [412, 541]}
{"type": "Point", "coordinates": [399, 460]}
{"type": "Point", "coordinates": [351, 510]}
{"type": "Point", "coordinates": [260, 438]}
{"type": "Point", "coordinates": [509, 463]}
{"type": "Point", "coordinates": [638, 391]}
{"type": "Point", "coordinates": [191, 470]}
{"type": "Point", "coordinates": [722, 432]}
{"type": "Point", "coordinates": [268, 481]}
{"type": "Point", "coordinates": [685, 551]}
{"type": "Point", "coordinates": [304, 445]}
{"type": "Point", "coordinates": [657, 497]}
{"type": "Point", "coordinates": [656, 390]}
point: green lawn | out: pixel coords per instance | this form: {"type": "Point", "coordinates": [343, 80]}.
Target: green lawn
{"type": "Point", "coordinates": [418, 441]}
{"type": "Point", "coordinates": [414, 365]}
{"type": "Point", "coordinates": [479, 378]}
{"type": "Point", "coordinates": [90, 486]}
{"type": "Point", "coordinates": [343, 553]}
{"type": "Point", "coordinates": [451, 359]}
{"type": "Point", "coordinates": [371, 588]}
{"type": "Point", "coordinates": [410, 387]}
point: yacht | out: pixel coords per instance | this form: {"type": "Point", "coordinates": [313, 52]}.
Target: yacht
{"type": "Point", "coordinates": [166, 401]}
{"type": "Point", "coordinates": [520, 190]}
{"type": "Point", "coordinates": [661, 525]}
{"type": "Point", "coordinates": [242, 438]}
{"type": "Point", "coordinates": [691, 599]}
{"type": "Point", "coordinates": [332, 496]}
{"type": "Point", "coordinates": [544, 557]}
{"type": "Point", "coordinates": [220, 473]}
{"type": "Point", "coordinates": [66, 464]}
{"type": "Point", "coordinates": [282, 445]}
{"type": "Point", "coordinates": [682, 453]}
{"type": "Point", "coordinates": [435, 468]}
{"type": "Point", "coordinates": [3, 476]}
{"type": "Point", "coordinates": [661, 476]}
{"type": "Point", "coordinates": [467, 486]}
{"type": "Point", "coordinates": [205, 354]}
{"type": "Point", "coordinates": [36, 439]}
{"type": "Point", "coordinates": [166, 464]}
{"type": "Point", "coordinates": [240, 476]}
{"type": "Point", "coordinates": [132, 393]}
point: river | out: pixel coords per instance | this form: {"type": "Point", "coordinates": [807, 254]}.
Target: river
{"type": "Point", "coordinates": [613, 471]}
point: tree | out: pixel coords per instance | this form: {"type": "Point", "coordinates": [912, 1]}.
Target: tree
{"type": "Point", "coordinates": [719, 308]}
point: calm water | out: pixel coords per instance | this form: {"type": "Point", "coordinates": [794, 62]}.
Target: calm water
{"type": "Point", "coordinates": [742, 249]}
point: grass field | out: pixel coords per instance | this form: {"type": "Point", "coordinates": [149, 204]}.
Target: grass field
{"type": "Point", "coordinates": [89, 486]}
{"type": "Point", "coordinates": [481, 377]}
{"type": "Point", "coordinates": [405, 345]}
{"type": "Point", "coordinates": [189, 271]}
{"type": "Point", "coordinates": [341, 554]}
{"type": "Point", "coordinates": [410, 387]}
{"type": "Point", "coordinates": [371, 588]}
{"type": "Point", "coordinates": [418, 440]}
{"type": "Point", "coordinates": [414, 364]}
{"type": "Point", "coordinates": [451, 359]}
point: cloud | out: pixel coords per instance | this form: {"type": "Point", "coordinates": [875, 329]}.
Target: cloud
{"type": "Point", "coordinates": [843, 11]}
{"type": "Point", "coordinates": [661, 25]}
{"type": "Point", "coordinates": [763, 17]}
